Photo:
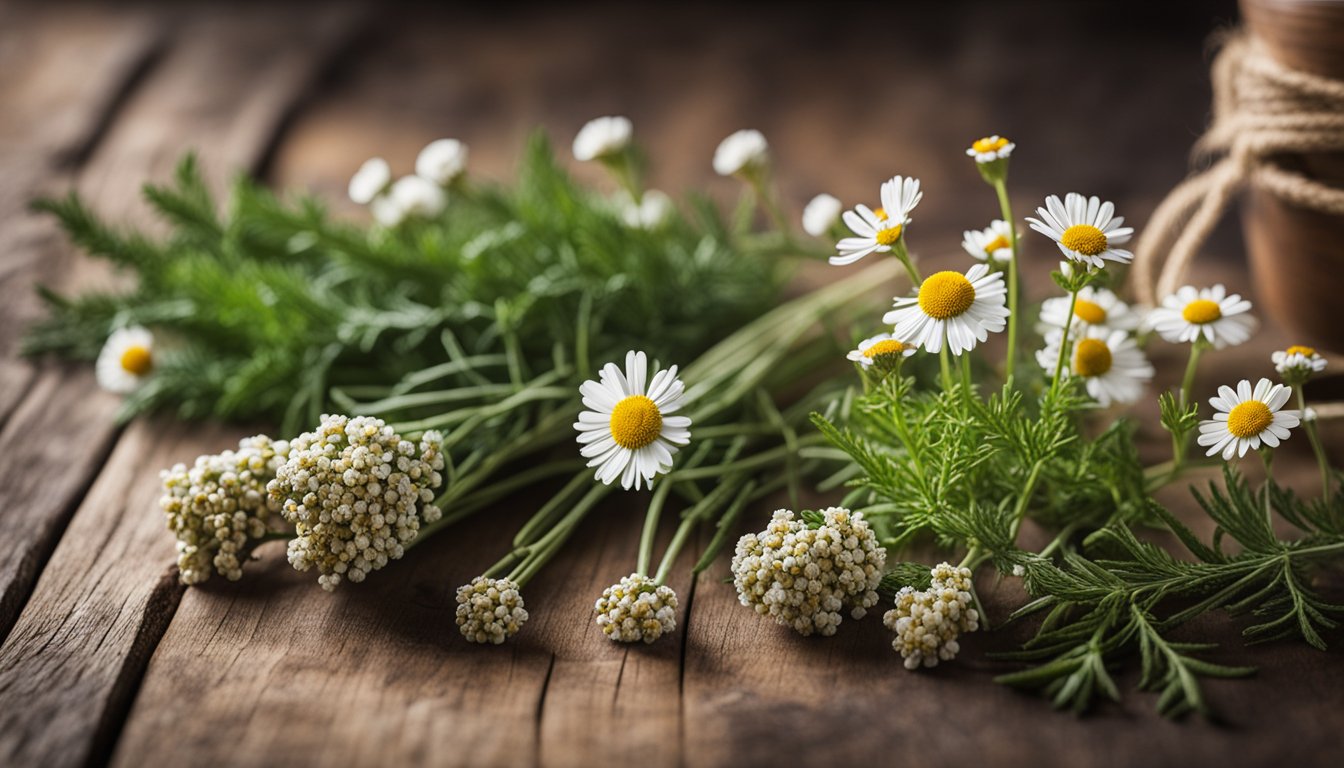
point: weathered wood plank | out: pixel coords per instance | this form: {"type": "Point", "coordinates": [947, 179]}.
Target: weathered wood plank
{"type": "Point", "coordinates": [62, 72]}
{"type": "Point", "coordinates": [224, 88]}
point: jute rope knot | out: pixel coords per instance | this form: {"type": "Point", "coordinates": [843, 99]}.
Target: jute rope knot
{"type": "Point", "coordinates": [1261, 109]}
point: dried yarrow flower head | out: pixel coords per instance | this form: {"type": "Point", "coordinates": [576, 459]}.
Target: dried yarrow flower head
{"type": "Point", "coordinates": [636, 608]}
{"type": "Point", "coordinates": [218, 508]}
{"type": "Point", "coordinates": [490, 610]}
{"type": "Point", "coordinates": [927, 623]}
{"type": "Point", "coordinates": [804, 571]}
{"type": "Point", "coordinates": [356, 493]}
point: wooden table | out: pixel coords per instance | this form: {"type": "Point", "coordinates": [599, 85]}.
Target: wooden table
{"type": "Point", "coordinates": [106, 659]}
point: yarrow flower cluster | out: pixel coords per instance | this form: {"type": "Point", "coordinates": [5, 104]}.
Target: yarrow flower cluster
{"type": "Point", "coordinates": [803, 571]}
{"type": "Point", "coordinates": [490, 610]}
{"type": "Point", "coordinates": [927, 623]}
{"type": "Point", "coordinates": [219, 506]}
{"type": "Point", "coordinates": [636, 609]}
{"type": "Point", "coordinates": [422, 194]}
{"type": "Point", "coordinates": [356, 493]}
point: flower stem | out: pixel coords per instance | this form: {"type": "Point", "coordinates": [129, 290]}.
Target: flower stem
{"type": "Point", "coordinates": [1316, 445]}
{"type": "Point", "coordinates": [1006, 210]}
{"type": "Point", "coordinates": [1020, 511]}
{"type": "Point", "coordinates": [945, 365]}
{"type": "Point", "coordinates": [651, 527]}
{"type": "Point", "coordinates": [545, 548]}
{"type": "Point", "coordinates": [1267, 456]}
{"type": "Point", "coordinates": [1064, 343]}
{"type": "Point", "coordinates": [903, 255]}
{"type": "Point", "coordinates": [1179, 444]}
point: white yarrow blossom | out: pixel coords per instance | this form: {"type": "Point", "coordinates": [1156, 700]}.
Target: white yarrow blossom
{"type": "Point", "coordinates": [990, 148]}
{"type": "Point", "coordinates": [442, 161]}
{"type": "Point", "coordinates": [1110, 363]}
{"type": "Point", "coordinates": [651, 212]}
{"type": "Point", "coordinates": [927, 623]}
{"type": "Point", "coordinates": [602, 137]}
{"type": "Point", "coordinates": [993, 243]}
{"type": "Point", "coordinates": [1095, 307]}
{"type": "Point", "coordinates": [627, 431]}
{"type": "Point", "coordinates": [490, 610]}
{"type": "Point", "coordinates": [743, 150]}
{"type": "Point", "coordinates": [963, 309]}
{"type": "Point", "coordinates": [878, 231]}
{"type": "Point", "coordinates": [636, 609]}
{"type": "Point", "coordinates": [126, 360]}
{"type": "Point", "coordinates": [370, 180]}
{"type": "Point", "coordinates": [416, 196]}
{"type": "Point", "coordinates": [1208, 314]}
{"type": "Point", "coordinates": [821, 214]}
{"type": "Point", "coordinates": [1085, 229]}
{"type": "Point", "coordinates": [882, 350]}
{"type": "Point", "coordinates": [1246, 418]}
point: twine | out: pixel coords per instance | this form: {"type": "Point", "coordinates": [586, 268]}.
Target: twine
{"type": "Point", "coordinates": [1260, 109]}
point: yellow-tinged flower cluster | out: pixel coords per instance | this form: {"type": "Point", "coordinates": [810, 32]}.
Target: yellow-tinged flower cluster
{"type": "Point", "coordinates": [804, 571]}
{"type": "Point", "coordinates": [219, 505]}
{"type": "Point", "coordinates": [636, 608]}
{"type": "Point", "coordinates": [490, 610]}
{"type": "Point", "coordinates": [356, 493]}
{"type": "Point", "coordinates": [927, 623]}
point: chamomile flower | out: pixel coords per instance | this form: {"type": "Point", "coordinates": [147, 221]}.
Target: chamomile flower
{"type": "Point", "coordinates": [879, 230]}
{"type": "Point", "coordinates": [821, 214]}
{"type": "Point", "coordinates": [993, 243]}
{"type": "Point", "coordinates": [442, 161]}
{"type": "Point", "coordinates": [1296, 363]}
{"type": "Point", "coordinates": [1209, 314]}
{"type": "Point", "coordinates": [990, 148]}
{"type": "Point", "coordinates": [1245, 418]}
{"type": "Point", "coordinates": [1109, 362]}
{"type": "Point", "coordinates": [627, 431]}
{"type": "Point", "coordinates": [1096, 307]}
{"type": "Point", "coordinates": [1086, 229]}
{"type": "Point", "coordinates": [370, 180]}
{"type": "Point", "coordinates": [882, 350]}
{"type": "Point", "coordinates": [963, 309]}
{"type": "Point", "coordinates": [745, 150]}
{"type": "Point", "coordinates": [126, 360]}
{"type": "Point", "coordinates": [602, 137]}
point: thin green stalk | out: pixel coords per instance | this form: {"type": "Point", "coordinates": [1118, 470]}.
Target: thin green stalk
{"type": "Point", "coordinates": [545, 548]}
{"type": "Point", "coordinates": [1267, 456]}
{"type": "Point", "coordinates": [903, 254]}
{"type": "Point", "coordinates": [944, 365]}
{"type": "Point", "coordinates": [1020, 510]}
{"type": "Point", "coordinates": [1316, 445]}
{"type": "Point", "coordinates": [1064, 343]}
{"type": "Point", "coordinates": [763, 459]}
{"type": "Point", "coordinates": [1006, 211]}
{"type": "Point", "coordinates": [650, 531]}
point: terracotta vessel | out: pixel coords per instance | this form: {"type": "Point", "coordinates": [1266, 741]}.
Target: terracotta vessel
{"type": "Point", "coordinates": [1296, 254]}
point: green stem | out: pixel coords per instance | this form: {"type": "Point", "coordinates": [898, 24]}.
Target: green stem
{"type": "Point", "coordinates": [1064, 343]}
{"type": "Point", "coordinates": [545, 548]}
{"type": "Point", "coordinates": [1020, 511]}
{"type": "Point", "coordinates": [1064, 534]}
{"type": "Point", "coordinates": [762, 459]}
{"type": "Point", "coordinates": [945, 366]}
{"type": "Point", "coordinates": [1316, 445]}
{"type": "Point", "coordinates": [651, 526]}
{"type": "Point", "coordinates": [1006, 211]}
{"type": "Point", "coordinates": [678, 542]}
{"type": "Point", "coordinates": [903, 254]}
{"type": "Point", "coordinates": [1267, 456]}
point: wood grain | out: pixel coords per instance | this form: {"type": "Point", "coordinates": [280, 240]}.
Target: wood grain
{"type": "Point", "coordinates": [116, 531]}
{"type": "Point", "coordinates": [62, 74]}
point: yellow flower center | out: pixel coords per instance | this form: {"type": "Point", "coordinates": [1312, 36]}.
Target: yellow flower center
{"type": "Point", "coordinates": [635, 422]}
{"type": "Point", "coordinates": [889, 236]}
{"type": "Point", "coordinates": [997, 244]}
{"type": "Point", "coordinates": [1085, 239]}
{"type": "Point", "coordinates": [1091, 357]}
{"type": "Point", "coordinates": [1201, 311]}
{"type": "Point", "coordinates": [884, 347]}
{"type": "Point", "coordinates": [1298, 349]}
{"type": "Point", "coordinates": [946, 294]}
{"type": "Point", "coordinates": [1249, 419]}
{"type": "Point", "coordinates": [989, 144]}
{"type": "Point", "coordinates": [137, 360]}
{"type": "Point", "coordinates": [1089, 312]}
{"type": "Point", "coordinates": [880, 213]}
